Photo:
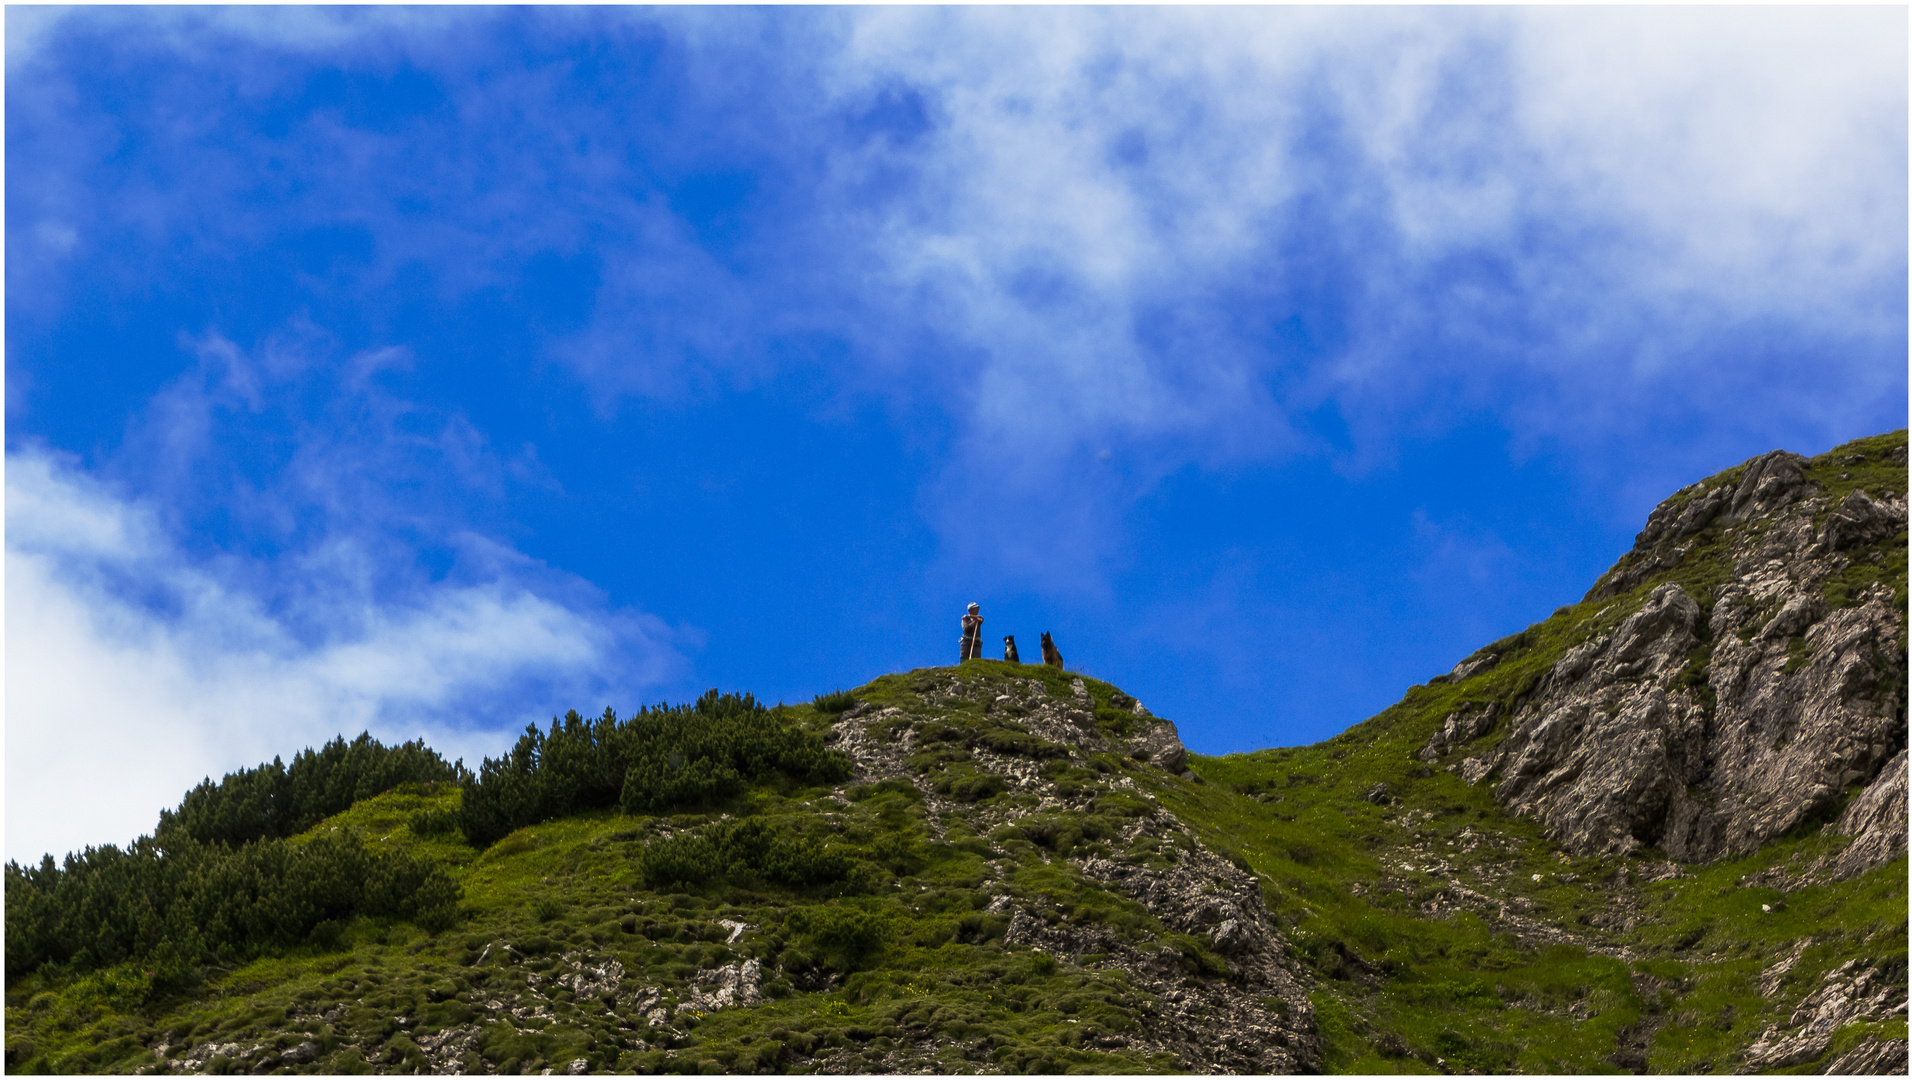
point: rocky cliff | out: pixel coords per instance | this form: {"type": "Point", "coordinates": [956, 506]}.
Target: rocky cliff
{"type": "Point", "coordinates": [1741, 672]}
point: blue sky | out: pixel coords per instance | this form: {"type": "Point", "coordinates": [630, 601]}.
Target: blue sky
{"type": "Point", "coordinates": [433, 371]}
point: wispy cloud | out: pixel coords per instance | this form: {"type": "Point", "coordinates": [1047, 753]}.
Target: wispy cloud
{"type": "Point", "coordinates": [1106, 244]}
{"type": "Point", "coordinates": [1544, 191]}
{"type": "Point", "coordinates": [236, 610]}
{"type": "Point", "coordinates": [1181, 230]}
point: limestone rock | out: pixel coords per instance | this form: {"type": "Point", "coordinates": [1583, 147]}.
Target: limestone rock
{"type": "Point", "coordinates": [1860, 519]}
{"type": "Point", "coordinates": [1770, 481]}
{"type": "Point", "coordinates": [1852, 993]}
{"type": "Point", "coordinates": [1160, 744]}
{"type": "Point", "coordinates": [733, 985]}
{"type": "Point", "coordinates": [1601, 755]}
{"type": "Point", "coordinates": [1708, 724]}
{"type": "Point", "coordinates": [1474, 665]}
{"type": "Point", "coordinates": [1791, 738]}
{"type": "Point", "coordinates": [301, 1053]}
{"type": "Point", "coordinates": [1874, 1057]}
{"type": "Point", "coordinates": [1680, 517]}
{"type": "Point", "coordinates": [1771, 978]}
{"type": "Point", "coordinates": [1460, 727]}
{"type": "Point", "coordinates": [1262, 1008]}
{"type": "Point", "coordinates": [588, 980]}
{"type": "Point", "coordinates": [1876, 820]}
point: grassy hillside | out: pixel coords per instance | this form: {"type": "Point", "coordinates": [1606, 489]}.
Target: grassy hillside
{"type": "Point", "coordinates": [970, 869]}
{"type": "Point", "coordinates": [1446, 935]}
{"type": "Point", "coordinates": [890, 941]}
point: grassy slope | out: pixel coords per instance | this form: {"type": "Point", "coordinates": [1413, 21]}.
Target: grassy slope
{"type": "Point", "coordinates": [1413, 974]}
{"type": "Point", "coordinates": [1401, 989]}
{"type": "Point", "coordinates": [572, 885]}
{"type": "Point", "coordinates": [568, 885]}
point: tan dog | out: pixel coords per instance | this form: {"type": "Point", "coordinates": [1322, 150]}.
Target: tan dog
{"type": "Point", "coordinates": [1050, 655]}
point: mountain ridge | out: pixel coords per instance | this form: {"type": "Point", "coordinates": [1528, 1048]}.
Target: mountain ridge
{"type": "Point", "coordinates": [1533, 862]}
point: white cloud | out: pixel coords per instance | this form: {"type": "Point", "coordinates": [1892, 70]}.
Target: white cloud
{"type": "Point", "coordinates": [1749, 141]}
{"type": "Point", "coordinates": [1575, 220]}
{"type": "Point", "coordinates": [1644, 180]}
{"type": "Point", "coordinates": [1175, 234]}
{"type": "Point", "coordinates": [134, 671]}
{"type": "Point", "coordinates": [205, 33]}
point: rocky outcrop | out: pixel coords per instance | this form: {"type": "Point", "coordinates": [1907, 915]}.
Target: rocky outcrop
{"type": "Point", "coordinates": [1747, 694]}
{"type": "Point", "coordinates": [1207, 1021]}
{"type": "Point", "coordinates": [1765, 485]}
{"type": "Point", "coordinates": [1874, 1057]}
{"type": "Point", "coordinates": [1257, 1019]}
{"type": "Point", "coordinates": [1606, 752]}
{"type": "Point", "coordinates": [1807, 711]}
{"type": "Point", "coordinates": [1876, 820]}
{"type": "Point", "coordinates": [1461, 727]}
{"type": "Point", "coordinates": [1860, 519]}
{"type": "Point", "coordinates": [1853, 993]}
{"type": "Point", "coordinates": [735, 984]}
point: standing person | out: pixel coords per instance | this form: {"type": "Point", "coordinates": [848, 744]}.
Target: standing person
{"type": "Point", "coordinates": [972, 635]}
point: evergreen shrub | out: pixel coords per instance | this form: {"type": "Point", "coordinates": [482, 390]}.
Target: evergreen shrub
{"type": "Point", "coordinates": [746, 851]}
{"type": "Point", "coordinates": [274, 801]}
{"type": "Point", "coordinates": [176, 906]}
{"type": "Point", "coordinates": [835, 702]}
{"type": "Point", "coordinates": [664, 758]}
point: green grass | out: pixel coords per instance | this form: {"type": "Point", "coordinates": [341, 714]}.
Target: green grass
{"type": "Point", "coordinates": [908, 947]}
{"type": "Point", "coordinates": [1838, 473]}
{"type": "Point", "coordinates": [891, 938]}
{"type": "Point", "coordinates": [934, 959]}
{"type": "Point", "coordinates": [1400, 989]}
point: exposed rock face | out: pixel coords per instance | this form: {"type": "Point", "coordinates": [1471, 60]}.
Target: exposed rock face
{"type": "Point", "coordinates": [1461, 727]}
{"type": "Point", "coordinates": [1719, 715]}
{"type": "Point", "coordinates": [724, 987]}
{"type": "Point", "coordinates": [1860, 519]}
{"type": "Point", "coordinates": [1875, 1057]}
{"type": "Point", "coordinates": [1257, 1019]}
{"type": "Point", "coordinates": [1210, 1022]}
{"type": "Point", "coordinates": [1853, 993]}
{"type": "Point", "coordinates": [1876, 820]}
{"type": "Point", "coordinates": [1605, 754]}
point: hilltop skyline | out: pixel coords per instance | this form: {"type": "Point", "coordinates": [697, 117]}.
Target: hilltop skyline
{"type": "Point", "coordinates": [435, 371]}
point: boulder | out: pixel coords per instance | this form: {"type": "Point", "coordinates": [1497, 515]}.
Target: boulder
{"type": "Point", "coordinates": [1860, 519]}
{"type": "Point", "coordinates": [1876, 819]}
{"type": "Point", "coordinates": [1160, 744]}
{"type": "Point", "coordinates": [1769, 482]}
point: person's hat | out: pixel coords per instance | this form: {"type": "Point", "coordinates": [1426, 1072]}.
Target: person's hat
{"type": "Point", "coordinates": [972, 607]}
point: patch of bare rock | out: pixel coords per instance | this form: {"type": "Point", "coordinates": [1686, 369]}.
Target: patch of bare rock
{"type": "Point", "coordinates": [1855, 992]}
{"type": "Point", "coordinates": [1257, 1019]}
{"type": "Point", "coordinates": [1706, 725]}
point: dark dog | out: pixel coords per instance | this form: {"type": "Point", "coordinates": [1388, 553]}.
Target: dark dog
{"type": "Point", "coordinates": [1009, 649]}
{"type": "Point", "coordinates": [1050, 655]}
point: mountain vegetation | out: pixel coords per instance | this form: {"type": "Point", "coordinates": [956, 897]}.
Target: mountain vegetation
{"type": "Point", "coordinates": [1663, 830]}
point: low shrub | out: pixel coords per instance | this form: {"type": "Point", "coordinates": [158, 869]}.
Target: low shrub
{"type": "Point", "coordinates": [176, 908]}
{"type": "Point", "coordinates": [432, 822]}
{"type": "Point", "coordinates": [843, 937]}
{"type": "Point", "coordinates": [667, 758]}
{"type": "Point", "coordinates": [274, 801]}
{"type": "Point", "coordinates": [741, 851]}
{"type": "Point", "coordinates": [836, 701]}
